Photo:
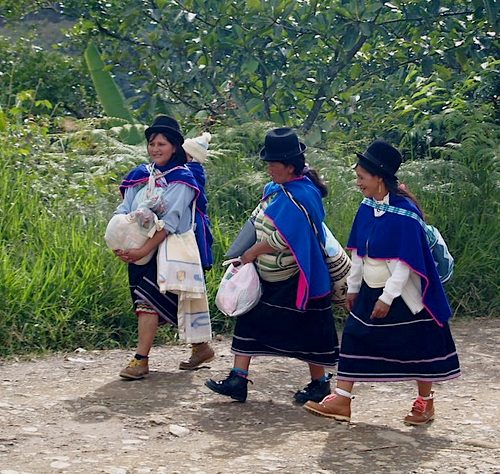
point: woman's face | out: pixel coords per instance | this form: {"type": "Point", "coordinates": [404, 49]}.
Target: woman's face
{"type": "Point", "coordinates": [370, 185]}
{"type": "Point", "coordinates": [160, 149]}
{"type": "Point", "coordinates": [279, 172]}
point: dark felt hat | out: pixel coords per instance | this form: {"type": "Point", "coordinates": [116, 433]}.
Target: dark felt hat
{"type": "Point", "coordinates": [282, 144]}
{"type": "Point", "coordinates": [168, 126]}
{"type": "Point", "coordinates": [380, 159]}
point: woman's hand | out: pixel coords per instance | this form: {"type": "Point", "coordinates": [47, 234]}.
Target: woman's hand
{"type": "Point", "coordinates": [131, 255]}
{"type": "Point", "coordinates": [380, 310]}
{"type": "Point", "coordinates": [248, 257]}
{"type": "Point", "coordinates": [255, 250]}
{"type": "Point", "coordinates": [349, 301]}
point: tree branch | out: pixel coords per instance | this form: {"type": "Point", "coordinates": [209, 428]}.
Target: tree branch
{"type": "Point", "coordinates": [405, 20]}
{"type": "Point", "coordinates": [102, 29]}
{"type": "Point", "coordinates": [165, 84]}
{"type": "Point", "coordinates": [333, 71]}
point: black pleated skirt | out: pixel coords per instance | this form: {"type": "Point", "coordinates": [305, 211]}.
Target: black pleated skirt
{"type": "Point", "coordinates": [401, 346]}
{"type": "Point", "coordinates": [145, 292]}
{"type": "Point", "coordinates": [275, 327]}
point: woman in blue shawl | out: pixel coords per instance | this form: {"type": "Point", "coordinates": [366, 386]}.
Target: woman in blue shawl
{"type": "Point", "coordinates": [178, 193]}
{"type": "Point", "coordinates": [397, 327]}
{"type": "Point", "coordinates": [294, 316]}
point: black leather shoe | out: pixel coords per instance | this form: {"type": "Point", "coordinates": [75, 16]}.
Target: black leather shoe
{"type": "Point", "coordinates": [315, 390]}
{"type": "Point", "coordinates": [234, 386]}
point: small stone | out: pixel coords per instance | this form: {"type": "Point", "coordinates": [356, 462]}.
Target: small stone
{"type": "Point", "coordinates": [97, 410]}
{"type": "Point", "coordinates": [30, 429]}
{"type": "Point", "coordinates": [60, 464]}
{"type": "Point", "coordinates": [131, 441]}
{"type": "Point", "coordinates": [178, 431]}
{"type": "Point", "coordinates": [481, 444]}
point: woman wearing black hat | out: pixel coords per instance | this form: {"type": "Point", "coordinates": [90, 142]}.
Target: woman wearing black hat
{"type": "Point", "coordinates": [178, 192]}
{"type": "Point", "coordinates": [397, 327]}
{"type": "Point", "coordinates": [293, 317]}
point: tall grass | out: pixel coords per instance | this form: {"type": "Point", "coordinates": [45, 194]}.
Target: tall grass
{"type": "Point", "coordinates": [59, 287]}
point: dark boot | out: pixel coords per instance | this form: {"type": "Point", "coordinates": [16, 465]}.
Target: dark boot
{"type": "Point", "coordinates": [234, 386]}
{"type": "Point", "coordinates": [315, 391]}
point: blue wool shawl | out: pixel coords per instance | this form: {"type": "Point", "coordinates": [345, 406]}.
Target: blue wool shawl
{"type": "Point", "coordinates": [396, 237]}
{"type": "Point", "coordinates": [292, 224]}
{"type": "Point", "coordinates": [175, 174]}
{"type": "Point", "coordinates": [203, 232]}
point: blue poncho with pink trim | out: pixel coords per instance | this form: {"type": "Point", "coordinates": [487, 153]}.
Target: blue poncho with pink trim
{"type": "Point", "coordinates": [394, 236]}
{"type": "Point", "coordinates": [173, 173]}
{"type": "Point", "coordinates": [292, 224]}
{"type": "Point", "coordinates": [192, 178]}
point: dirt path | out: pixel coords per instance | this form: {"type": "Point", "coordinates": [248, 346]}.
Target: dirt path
{"type": "Point", "coordinates": [72, 414]}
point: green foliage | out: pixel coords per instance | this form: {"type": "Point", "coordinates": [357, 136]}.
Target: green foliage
{"type": "Point", "coordinates": [458, 185]}
{"type": "Point", "coordinates": [57, 84]}
{"type": "Point", "coordinates": [314, 64]}
{"type": "Point", "coordinates": [111, 97]}
{"type": "Point", "coordinates": [59, 285]}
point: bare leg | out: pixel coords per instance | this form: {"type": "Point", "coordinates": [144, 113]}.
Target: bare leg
{"type": "Point", "coordinates": [316, 371]}
{"type": "Point", "coordinates": [424, 388]}
{"type": "Point", "coordinates": [242, 362]}
{"type": "Point", "coordinates": [345, 385]}
{"type": "Point", "coordinates": [147, 327]}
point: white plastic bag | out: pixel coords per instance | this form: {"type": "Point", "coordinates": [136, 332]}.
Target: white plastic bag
{"type": "Point", "coordinates": [239, 290]}
{"type": "Point", "coordinates": [131, 231]}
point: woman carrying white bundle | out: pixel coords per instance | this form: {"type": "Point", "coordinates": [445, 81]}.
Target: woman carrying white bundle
{"type": "Point", "coordinates": [175, 191]}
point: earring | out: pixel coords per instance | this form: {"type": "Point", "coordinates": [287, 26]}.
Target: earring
{"type": "Point", "coordinates": [379, 187]}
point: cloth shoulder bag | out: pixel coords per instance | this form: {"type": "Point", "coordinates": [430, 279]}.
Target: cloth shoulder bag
{"type": "Point", "coordinates": [179, 271]}
{"type": "Point", "coordinates": [443, 259]}
{"type": "Point", "coordinates": [336, 258]}
{"type": "Point", "coordinates": [243, 241]}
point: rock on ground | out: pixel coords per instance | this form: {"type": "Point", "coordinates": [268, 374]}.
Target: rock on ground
{"type": "Point", "coordinates": [73, 414]}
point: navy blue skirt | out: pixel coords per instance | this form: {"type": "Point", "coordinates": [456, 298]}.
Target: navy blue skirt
{"type": "Point", "coordinates": [401, 346]}
{"type": "Point", "coordinates": [275, 327]}
{"type": "Point", "coordinates": [146, 293]}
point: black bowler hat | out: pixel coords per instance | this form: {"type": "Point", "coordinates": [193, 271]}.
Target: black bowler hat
{"type": "Point", "coordinates": [282, 144]}
{"type": "Point", "coordinates": [381, 159]}
{"type": "Point", "coordinates": [168, 126]}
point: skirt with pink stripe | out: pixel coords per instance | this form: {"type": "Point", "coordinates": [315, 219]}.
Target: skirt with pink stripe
{"type": "Point", "coordinates": [401, 346]}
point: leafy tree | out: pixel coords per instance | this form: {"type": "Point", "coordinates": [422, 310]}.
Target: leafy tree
{"type": "Point", "coordinates": [56, 82]}
{"type": "Point", "coordinates": [295, 62]}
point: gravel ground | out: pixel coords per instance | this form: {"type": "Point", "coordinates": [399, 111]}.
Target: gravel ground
{"type": "Point", "coordinates": [71, 413]}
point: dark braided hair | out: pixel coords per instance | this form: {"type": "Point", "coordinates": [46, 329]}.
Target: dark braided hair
{"type": "Point", "coordinates": [395, 187]}
{"type": "Point", "coordinates": [300, 168]}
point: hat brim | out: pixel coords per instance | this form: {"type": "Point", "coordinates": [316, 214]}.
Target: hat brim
{"type": "Point", "coordinates": [284, 157]}
{"type": "Point", "coordinates": [371, 166]}
{"type": "Point", "coordinates": [168, 131]}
